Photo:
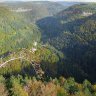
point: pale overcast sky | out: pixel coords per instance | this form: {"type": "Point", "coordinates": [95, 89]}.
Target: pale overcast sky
{"type": "Point", "coordinates": [53, 0]}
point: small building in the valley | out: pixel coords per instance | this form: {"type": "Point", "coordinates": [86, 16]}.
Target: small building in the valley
{"type": "Point", "coordinates": [33, 49]}
{"type": "Point", "coordinates": [35, 43]}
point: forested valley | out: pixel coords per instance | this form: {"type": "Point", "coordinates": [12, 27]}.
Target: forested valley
{"type": "Point", "coordinates": [47, 49]}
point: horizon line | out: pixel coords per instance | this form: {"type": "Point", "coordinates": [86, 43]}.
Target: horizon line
{"type": "Point", "coordinates": [49, 1]}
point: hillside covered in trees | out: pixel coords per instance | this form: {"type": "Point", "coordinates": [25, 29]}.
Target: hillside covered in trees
{"type": "Point", "coordinates": [47, 49]}
{"type": "Point", "coordinates": [75, 38]}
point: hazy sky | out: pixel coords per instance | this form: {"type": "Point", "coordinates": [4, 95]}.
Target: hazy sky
{"type": "Point", "coordinates": [53, 0]}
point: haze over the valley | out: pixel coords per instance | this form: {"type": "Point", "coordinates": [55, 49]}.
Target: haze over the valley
{"type": "Point", "coordinates": [53, 0]}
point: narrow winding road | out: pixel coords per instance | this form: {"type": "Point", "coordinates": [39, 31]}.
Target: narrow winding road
{"type": "Point", "coordinates": [36, 66]}
{"type": "Point", "coordinates": [3, 64]}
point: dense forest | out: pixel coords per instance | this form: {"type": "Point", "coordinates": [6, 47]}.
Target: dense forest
{"type": "Point", "coordinates": [75, 36]}
{"type": "Point", "coordinates": [47, 49]}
